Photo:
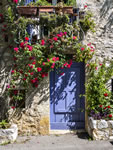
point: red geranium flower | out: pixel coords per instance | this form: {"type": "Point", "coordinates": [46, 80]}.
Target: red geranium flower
{"type": "Point", "coordinates": [13, 107]}
{"type": "Point", "coordinates": [12, 71]}
{"type": "Point", "coordinates": [65, 33]}
{"type": "Point", "coordinates": [54, 58]}
{"type": "Point", "coordinates": [22, 45]}
{"type": "Point", "coordinates": [110, 115]}
{"type": "Point", "coordinates": [85, 6]}
{"type": "Point", "coordinates": [59, 35]}
{"type": "Point", "coordinates": [39, 69]}
{"type": "Point", "coordinates": [31, 73]}
{"type": "Point", "coordinates": [34, 62]}
{"type": "Point", "coordinates": [108, 107]}
{"type": "Point", "coordinates": [55, 39]}
{"type": "Point", "coordinates": [16, 49]}
{"type": "Point", "coordinates": [43, 75]}
{"type": "Point", "coordinates": [68, 66]}
{"type": "Point", "coordinates": [62, 73]}
{"type": "Point", "coordinates": [26, 38]}
{"type": "Point", "coordinates": [106, 94]}
{"type": "Point", "coordinates": [42, 42]}
{"type": "Point", "coordinates": [33, 81]}
{"type": "Point", "coordinates": [43, 63]}
{"type": "Point", "coordinates": [57, 58]}
{"type": "Point", "coordinates": [24, 79]}
{"type": "Point", "coordinates": [100, 106]}
{"type": "Point", "coordinates": [48, 60]}
{"type": "Point", "coordinates": [52, 66]}
{"type": "Point", "coordinates": [82, 48]}
{"type": "Point", "coordinates": [15, 1]}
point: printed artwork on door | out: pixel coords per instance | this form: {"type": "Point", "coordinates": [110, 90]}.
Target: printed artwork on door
{"type": "Point", "coordinates": [66, 105]}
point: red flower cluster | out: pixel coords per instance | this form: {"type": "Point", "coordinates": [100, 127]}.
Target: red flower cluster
{"type": "Point", "coordinates": [15, 1]}
{"type": "Point", "coordinates": [110, 115]}
{"type": "Point", "coordinates": [42, 42]}
{"type": "Point", "coordinates": [105, 94]}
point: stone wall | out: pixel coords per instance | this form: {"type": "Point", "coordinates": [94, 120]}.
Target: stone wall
{"type": "Point", "coordinates": [100, 129]}
{"type": "Point", "coordinates": [5, 63]}
{"type": "Point", "coordinates": [34, 118]}
{"type": "Point", "coordinates": [102, 39]}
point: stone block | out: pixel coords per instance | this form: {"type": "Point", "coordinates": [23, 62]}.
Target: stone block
{"type": "Point", "coordinates": [111, 137]}
{"type": "Point", "coordinates": [44, 126]}
{"type": "Point", "coordinates": [110, 123]}
{"type": "Point", "coordinates": [102, 124]}
{"type": "Point", "coordinates": [100, 135]}
{"type": "Point", "coordinates": [92, 123]}
{"type": "Point", "coordinates": [9, 135]}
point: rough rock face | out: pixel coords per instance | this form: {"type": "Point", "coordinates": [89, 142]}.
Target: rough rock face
{"type": "Point", "coordinates": [102, 39]}
{"type": "Point", "coordinates": [9, 135]}
{"type": "Point", "coordinates": [100, 129]}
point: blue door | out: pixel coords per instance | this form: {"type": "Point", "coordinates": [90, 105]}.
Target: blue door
{"type": "Point", "coordinates": [66, 105]}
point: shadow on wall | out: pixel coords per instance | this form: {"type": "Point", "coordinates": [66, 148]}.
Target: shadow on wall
{"type": "Point", "coordinates": [5, 70]}
{"type": "Point", "coordinates": [107, 9]}
{"type": "Point", "coordinates": [38, 95]}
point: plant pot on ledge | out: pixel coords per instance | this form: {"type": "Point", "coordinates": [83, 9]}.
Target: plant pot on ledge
{"type": "Point", "coordinates": [8, 135]}
{"type": "Point", "coordinates": [27, 10]}
{"type": "Point", "coordinates": [64, 10]}
{"type": "Point", "coordinates": [46, 9]}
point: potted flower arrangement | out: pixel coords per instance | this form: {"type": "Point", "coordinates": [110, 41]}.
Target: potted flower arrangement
{"type": "Point", "coordinates": [99, 100]}
{"type": "Point", "coordinates": [45, 6]}
{"type": "Point", "coordinates": [8, 132]}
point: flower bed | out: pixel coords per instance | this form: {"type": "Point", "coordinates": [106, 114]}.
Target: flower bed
{"type": "Point", "coordinates": [100, 129]}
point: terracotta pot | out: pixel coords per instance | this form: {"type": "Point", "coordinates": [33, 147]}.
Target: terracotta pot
{"type": "Point", "coordinates": [44, 9]}
{"type": "Point", "coordinates": [27, 10]}
{"type": "Point", "coordinates": [64, 10]}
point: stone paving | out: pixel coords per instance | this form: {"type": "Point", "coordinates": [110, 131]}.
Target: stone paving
{"type": "Point", "coordinates": [58, 142]}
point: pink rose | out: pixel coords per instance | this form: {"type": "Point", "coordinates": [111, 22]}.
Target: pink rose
{"type": "Point", "coordinates": [16, 49]}
{"type": "Point", "coordinates": [55, 39]}
{"type": "Point", "coordinates": [39, 69]}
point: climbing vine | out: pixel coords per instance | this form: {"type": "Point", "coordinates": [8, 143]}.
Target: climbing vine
{"type": "Point", "coordinates": [33, 61]}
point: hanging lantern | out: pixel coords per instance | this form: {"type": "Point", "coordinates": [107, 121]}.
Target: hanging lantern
{"type": "Point", "coordinates": [1, 18]}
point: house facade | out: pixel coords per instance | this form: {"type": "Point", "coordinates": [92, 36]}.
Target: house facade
{"type": "Point", "coordinates": [55, 105]}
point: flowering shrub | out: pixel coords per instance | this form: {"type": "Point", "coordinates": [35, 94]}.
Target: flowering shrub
{"type": "Point", "coordinates": [98, 95]}
{"type": "Point", "coordinates": [33, 62]}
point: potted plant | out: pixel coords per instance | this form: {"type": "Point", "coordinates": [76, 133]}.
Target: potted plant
{"type": "Point", "coordinates": [8, 132]}
{"type": "Point", "coordinates": [27, 10]}
{"type": "Point", "coordinates": [99, 100]}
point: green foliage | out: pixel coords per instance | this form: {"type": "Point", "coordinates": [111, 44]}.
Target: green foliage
{"type": "Point", "coordinates": [87, 23]}
{"type": "Point", "coordinates": [97, 92]}
{"type": "Point", "coordinates": [71, 3]}
{"type": "Point", "coordinates": [39, 3]}
{"type": "Point", "coordinates": [52, 21]}
{"type": "Point", "coordinates": [4, 124]}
